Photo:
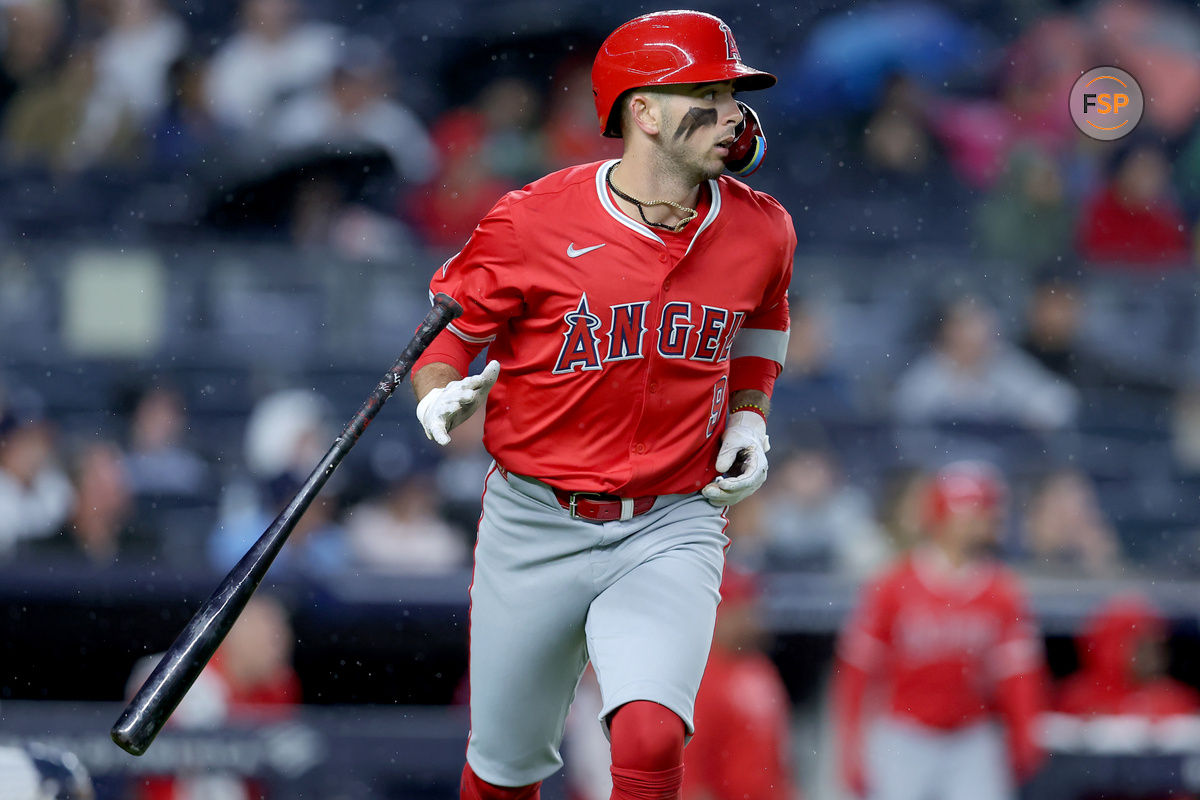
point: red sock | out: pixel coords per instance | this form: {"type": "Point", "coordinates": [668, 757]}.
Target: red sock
{"type": "Point", "coordinates": [647, 752]}
{"type": "Point", "coordinates": [475, 788]}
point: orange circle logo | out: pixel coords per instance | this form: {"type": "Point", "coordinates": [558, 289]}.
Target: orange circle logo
{"type": "Point", "coordinates": [1106, 103]}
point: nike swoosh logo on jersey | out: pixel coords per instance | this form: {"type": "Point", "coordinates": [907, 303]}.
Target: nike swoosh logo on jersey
{"type": "Point", "coordinates": [573, 253]}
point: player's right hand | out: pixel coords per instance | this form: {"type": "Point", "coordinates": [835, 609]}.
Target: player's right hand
{"type": "Point", "coordinates": [442, 410]}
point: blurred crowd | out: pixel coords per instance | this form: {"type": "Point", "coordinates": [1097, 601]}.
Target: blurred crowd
{"type": "Point", "coordinates": [147, 494]}
{"type": "Point", "coordinates": [851, 454]}
{"type": "Point", "coordinates": [288, 125]}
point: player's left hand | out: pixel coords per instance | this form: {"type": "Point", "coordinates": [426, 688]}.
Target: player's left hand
{"type": "Point", "coordinates": [441, 410]}
{"type": "Point", "coordinates": [745, 444]}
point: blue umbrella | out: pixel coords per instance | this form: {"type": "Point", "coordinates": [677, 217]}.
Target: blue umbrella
{"type": "Point", "coordinates": [850, 56]}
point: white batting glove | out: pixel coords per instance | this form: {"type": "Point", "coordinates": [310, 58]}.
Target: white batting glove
{"type": "Point", "coordinates": [744, 442]}
{"type": "Point", "coordinates": [442, 410]}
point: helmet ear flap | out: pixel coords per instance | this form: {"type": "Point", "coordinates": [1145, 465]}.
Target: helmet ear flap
{"type": "Point", "coordinates": [749, 144]}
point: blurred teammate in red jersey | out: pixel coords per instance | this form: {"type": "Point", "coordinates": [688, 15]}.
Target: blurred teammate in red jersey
{"type": "Point", "coordinates": [742, 746]}
{"type": "Point", "coordinates": [249, 678]}
{"type": "Point", "coordinates": [1123, 658]}
{"type": "Point", "coordinates": [945, 637]}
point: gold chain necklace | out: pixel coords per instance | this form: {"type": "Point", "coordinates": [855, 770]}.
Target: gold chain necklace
{"type": "Point", "coordinates": [689, 213]}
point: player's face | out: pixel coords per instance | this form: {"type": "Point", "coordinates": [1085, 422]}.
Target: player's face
{"type": "Point", "coordinates": [974, 530]}
{"type": "Point", "coordinates": [697, 129]}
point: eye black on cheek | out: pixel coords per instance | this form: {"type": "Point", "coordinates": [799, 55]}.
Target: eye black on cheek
{"type": "Point", "coordinates": [695, 119]}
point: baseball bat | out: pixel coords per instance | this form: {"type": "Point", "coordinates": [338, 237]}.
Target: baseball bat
{"type": "Point", "coordinates": [183, 661]}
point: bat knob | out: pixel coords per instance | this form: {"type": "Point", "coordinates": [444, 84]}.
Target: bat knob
{"type": "Point", "coordinates": [129, 735]}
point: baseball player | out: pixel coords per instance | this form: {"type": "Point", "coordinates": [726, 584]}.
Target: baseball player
{"type": "Point", "coordinates": [635, 317]}
{"type": "Point", "coordinates": [945, 635]}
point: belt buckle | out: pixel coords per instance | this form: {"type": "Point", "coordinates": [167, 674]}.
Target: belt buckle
{"type": "Point", "coordinates": [571, 506]}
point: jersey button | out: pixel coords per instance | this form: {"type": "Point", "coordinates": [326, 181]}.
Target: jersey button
{"type": "Point", "coordinates": [653, 387]}
{"type": "Point", "coordinates": [667, 285]}
{"type": "Point", "coordinates": [639, 448]}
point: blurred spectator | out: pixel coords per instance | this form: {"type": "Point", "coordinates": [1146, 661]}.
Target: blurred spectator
{"type": "Point", "coordinates": [464, 189]}
{"type": "Point", "coordinates": [901, 507]}
{"type": "Point", "coordinates": [185, 134]}
{"type": "Point", "coordinates": [811, 384]}
{"type": "Point", "coordinates": [355, 107]}
{"type": "Point", "coordinates": [1027, 218]}
{"type": "Point", "coordinates": [286, 435]}
{"type": "Point", "coordinates": [945, 635]}
{"type": "Point", "coordinates": [486, 149]}
{"type": "Point", "coordinates": [288, 431]}
{"type": "Point", "coordinates": [1040, 67]}
{"type": "Point", "coordinates": [270, 57]}
{"type": "Point", "coordinates": [1053, 318]}
{"type": "Point", "coordinates": [249, 678]}
{"type": "Point", "coordinates": [511, 110]}
{"type": "Point", "coordinates": [254, 663]}
{"type": "Point", "coordinates": [157, 460]}
{"type": "Point", "coordinates": [132, 59]}
{"type": "Point", "coordinates": [972, 374]}
{"type": "Point", "coordinates": [895, 141]}
{"type": "Point", "coordinates": [102, 528]}
{"type": "Point", "coordinates": [1133, 222]}
{"type": "Point", "coordinates": [35, 495]}
{"type": "Point", "coordinates": [1159, 42]}
{"type": "Point", "coordinates": [401, 531]}
{"type": "Point", "coordinates": [44, 121]}
{"type": "Point", "coordinates": [1055, 336]}
{"type": "Point", "coordinates": [32, 37]}
{"type": "Point", "coordinates": [742, 747]}
{"type": "Point", "coordinates": [317, 544]}
{"type": "Point", "coordinates": [571, 119]}
{"type": "Point", "coordinates": [1123, 665]}
{"type": "Point", "coordinates": [1065, 530]}
{"type": "Point", "coordinates": [815, 520]}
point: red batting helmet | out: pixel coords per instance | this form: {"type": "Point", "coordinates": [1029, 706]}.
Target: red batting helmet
{"type": "Point", "coordinates": [964, 485]}
{"type": "Point", "coordinates": [666, 48]}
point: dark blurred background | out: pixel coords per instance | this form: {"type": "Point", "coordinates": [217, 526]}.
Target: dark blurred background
{"type": "Point", "coordinates": [219, 221]}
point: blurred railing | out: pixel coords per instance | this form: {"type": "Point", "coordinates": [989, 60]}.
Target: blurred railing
{"type": "Point", "coordinates": [407, 753]}
{"type": "Point", "coordinates": [365, 638]}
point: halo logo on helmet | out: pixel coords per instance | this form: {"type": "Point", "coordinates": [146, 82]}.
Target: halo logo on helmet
{"type": "Point", "coordinates": [731, 50]}
{"type": "Point", "coordinates": [667, 48]}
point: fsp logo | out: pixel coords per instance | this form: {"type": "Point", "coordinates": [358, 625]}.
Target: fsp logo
{"type": "Point", "coordinates": [1106, 103]}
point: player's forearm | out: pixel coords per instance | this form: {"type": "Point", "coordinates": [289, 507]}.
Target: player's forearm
{"type": "Point", "coordinates": [751, 397]}
{"type": "Point", "coordinates": [433, 376]}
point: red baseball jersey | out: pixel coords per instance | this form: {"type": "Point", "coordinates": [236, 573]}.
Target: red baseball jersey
{"type": "Point", "coordinates": [619, 344]}
{"type": "Point", "coordinates": [942, 641]}
{"type": "Point", "coordinates": [741, 749]}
